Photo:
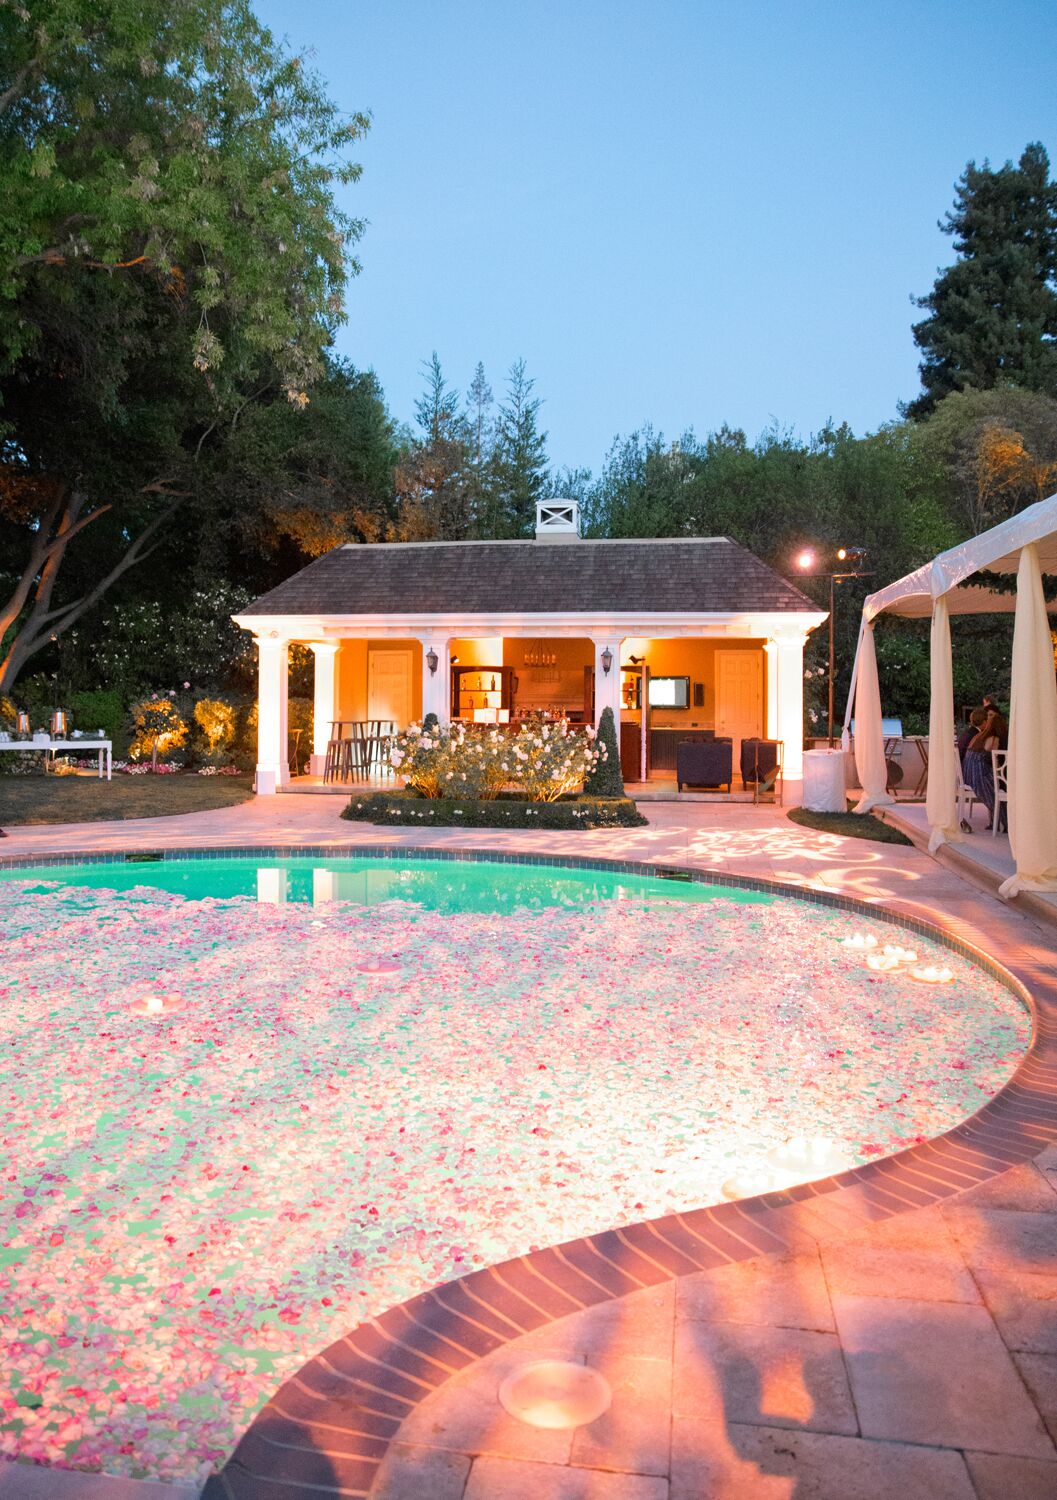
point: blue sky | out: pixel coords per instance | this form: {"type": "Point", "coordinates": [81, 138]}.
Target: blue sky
{"type": "Point", "coordinates": [680, 212]}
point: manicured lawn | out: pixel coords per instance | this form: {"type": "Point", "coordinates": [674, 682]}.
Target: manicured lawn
{"type": "Point", "coordinates": [849, 825]}
{"type": "Point", "coordinates": [86, 799]}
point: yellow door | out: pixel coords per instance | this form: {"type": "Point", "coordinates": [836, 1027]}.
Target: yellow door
{"type": "Point", "coordinates": [739, 697]}
{"type": "Point", "coordinates": [389, 686]}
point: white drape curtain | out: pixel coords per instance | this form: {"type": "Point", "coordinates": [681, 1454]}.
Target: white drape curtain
{"type": "Point", "coordinates": [1032, 758]}
{"type": "Point", "coordinates": [869, 738]}
{"type": "Point", "coordinates": [942, 795]}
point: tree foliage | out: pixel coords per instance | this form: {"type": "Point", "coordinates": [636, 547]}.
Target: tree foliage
{"type": "Point", "coordinates": [170, 253]}
{"type": "Point", "coordinates": [992, 316]}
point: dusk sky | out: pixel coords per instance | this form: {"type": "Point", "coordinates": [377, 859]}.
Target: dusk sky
{"type": "Point", "coordinates": [677, 212]}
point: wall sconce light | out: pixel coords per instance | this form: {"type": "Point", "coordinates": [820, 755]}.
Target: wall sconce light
{"type": "Point", "coordinates": [432, 661]}
{"type": "Point", "coordinates": [607, 661]}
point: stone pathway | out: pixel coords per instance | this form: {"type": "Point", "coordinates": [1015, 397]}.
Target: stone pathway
{"type": "Point", "coordinates": [917, 1357]}
{"type": "Point", "coordinates": [910, 1355]}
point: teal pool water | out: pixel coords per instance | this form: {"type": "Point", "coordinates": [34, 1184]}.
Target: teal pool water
{"type": "Point", "coordinates": [438, 885]}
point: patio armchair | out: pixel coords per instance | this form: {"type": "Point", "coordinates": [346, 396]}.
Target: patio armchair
{"type": "Point", "coordinates": [704, 763]}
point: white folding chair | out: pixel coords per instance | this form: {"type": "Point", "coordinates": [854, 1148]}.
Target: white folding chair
{"type": "Point", "coordinates": [965, 797]}
{"type": "Point", "coordinates": [1000, 772]}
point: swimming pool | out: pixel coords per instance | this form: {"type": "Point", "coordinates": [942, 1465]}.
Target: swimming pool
{"type": "Point", "coordinates": [249, 1102]}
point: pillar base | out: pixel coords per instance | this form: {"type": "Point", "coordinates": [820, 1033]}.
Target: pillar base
{"type": "Point", "coordinates": [270, 779]}
{"type": "Point", "coordinates": [317, 764]}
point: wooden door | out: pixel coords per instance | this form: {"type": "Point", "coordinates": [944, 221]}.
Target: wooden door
{"type": "Point", "coordinates": [389, 686]}
{"type": "Point", "coordinates": [739, 697]}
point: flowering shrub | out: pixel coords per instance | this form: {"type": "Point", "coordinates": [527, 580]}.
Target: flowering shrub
{"type": "Point", "coordinates": [546, 760]}
{"type": "Point", "coordinates": [216, 720]}
{"type": "Point", "coordinates": [145, 767]}
{"type": "Point", "coordinates": [552, 760]}
{"type": "Point", "coordinates": [157, 726]}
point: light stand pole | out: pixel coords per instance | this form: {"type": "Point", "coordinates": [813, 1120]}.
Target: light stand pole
{"type": "Point", "coordinates": [856, 555]}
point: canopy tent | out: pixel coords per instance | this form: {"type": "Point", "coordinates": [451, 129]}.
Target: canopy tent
{"type": "Point", "coordinates": [1025, 545]}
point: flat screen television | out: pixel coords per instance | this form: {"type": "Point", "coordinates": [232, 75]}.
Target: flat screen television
{"type": "Point", "coordinates": [669, 692]}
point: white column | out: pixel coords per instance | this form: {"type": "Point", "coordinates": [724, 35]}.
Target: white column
{"type": "Point", "coordinates": [324, 701]}
{"type": "Point", "coordinates": [322, 886]}
{"type": "Point", "coordinates": [789, 702]}
{"type": "Point", "coordinates": [436, 685]}
{"type": "Point", "coordinates": [273, 769]}
{"type": "Point", "coordinates": [607, 684]}
{"type": "Point", "coordinates": [770, 651]}
{"type": "Point", "coordinates": [272, 887]}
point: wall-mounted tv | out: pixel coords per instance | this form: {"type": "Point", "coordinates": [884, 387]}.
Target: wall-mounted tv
{"type": "Point", "coordinates": [669, 692]}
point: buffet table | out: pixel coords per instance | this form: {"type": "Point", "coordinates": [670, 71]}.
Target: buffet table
{"type": "Point", "coordinates": [49, 746]}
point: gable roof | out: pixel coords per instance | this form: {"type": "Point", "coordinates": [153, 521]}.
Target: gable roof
{"type": "Point", "coordinates": [694, 575]}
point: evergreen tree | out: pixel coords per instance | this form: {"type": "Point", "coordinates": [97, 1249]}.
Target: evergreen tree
{"type": "Point", "coordinates": [432, 475]}
{"type": "Point", "coordinates": [479, 401]}
{"type": "Point", "coordinates": [992, 316]}
{"type": "Point", "coordinates": [606, 779]}
{"type": "Point", "coordinates": [520, 457]}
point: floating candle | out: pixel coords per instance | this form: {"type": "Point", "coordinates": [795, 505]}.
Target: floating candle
{"type": "Point", "coordinates": [932, 974]}
{"type": "Point", "coordinates": [901, 955]}
{"type": "Point", "coordinates": [882, 963]}
{"type": "Point", "coordinates": [860, 942]}
{"type": "Point", "coordinates": [809, 1156]}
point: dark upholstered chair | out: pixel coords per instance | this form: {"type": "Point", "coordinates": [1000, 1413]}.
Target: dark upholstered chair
{"type": "Point", "coordinates": [704, 763]}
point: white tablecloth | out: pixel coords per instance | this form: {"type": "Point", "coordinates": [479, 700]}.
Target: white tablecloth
{"type": "Point", "coordinates": [824, 781]}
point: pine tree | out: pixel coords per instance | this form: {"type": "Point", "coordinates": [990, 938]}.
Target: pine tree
{"type": "Point", "coordinates": [431, 478]}
{"type": "Point", "coordinates": [992, 316]}
{"type": "Point", "coordinates": [479, 401]}
{"type": "Point", "coordinates": [520, 456]}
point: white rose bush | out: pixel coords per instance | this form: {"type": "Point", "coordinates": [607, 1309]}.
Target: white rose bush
{"type": "Point", "coordinates": [544, 760]}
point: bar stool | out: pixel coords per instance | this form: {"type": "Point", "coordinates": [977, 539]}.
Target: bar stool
{"type": "Point", "coordinates": [332, 765]}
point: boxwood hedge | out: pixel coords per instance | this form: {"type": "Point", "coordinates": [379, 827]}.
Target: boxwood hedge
{"type": "Point", "coordinates": [405, 810]}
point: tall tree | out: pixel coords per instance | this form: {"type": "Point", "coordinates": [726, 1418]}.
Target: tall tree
{"type": "Point", "coordinates": [432, 474]}
{"type": "Point", "coordinates": [519, 458]}
{"type": "Point", "coordinates": [479, 402]}
{"type": "Point", "coordinates": [992, 316]}
{"type": "Point", "coordinates": [170, 253]}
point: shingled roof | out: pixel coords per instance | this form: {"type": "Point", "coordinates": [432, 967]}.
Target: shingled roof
{"type": "Point", "coordinates": [693, 575]}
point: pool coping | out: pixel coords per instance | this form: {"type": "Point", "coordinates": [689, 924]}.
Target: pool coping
{"type": "Point", "coordinates": [329, 1426]}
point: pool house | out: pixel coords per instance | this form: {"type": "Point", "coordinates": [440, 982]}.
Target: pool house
{"type": "Point", "coordinates": [683, 638]}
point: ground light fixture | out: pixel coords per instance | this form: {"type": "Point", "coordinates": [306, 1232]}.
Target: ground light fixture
{"type": "Point", "coordinates": [555, 1393]}
{"type": "Point", "coordinates": [850, 561]}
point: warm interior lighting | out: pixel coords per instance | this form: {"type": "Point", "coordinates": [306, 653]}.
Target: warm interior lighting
{"type": "Point", "coordinates": [555, 1393]}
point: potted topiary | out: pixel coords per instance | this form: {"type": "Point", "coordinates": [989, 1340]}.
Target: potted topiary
{"type": "Point", "coordinates": [605, 779]}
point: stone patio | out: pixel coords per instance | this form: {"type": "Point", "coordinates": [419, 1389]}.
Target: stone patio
{"type": "Point", "coordinates": [883, 1349]}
